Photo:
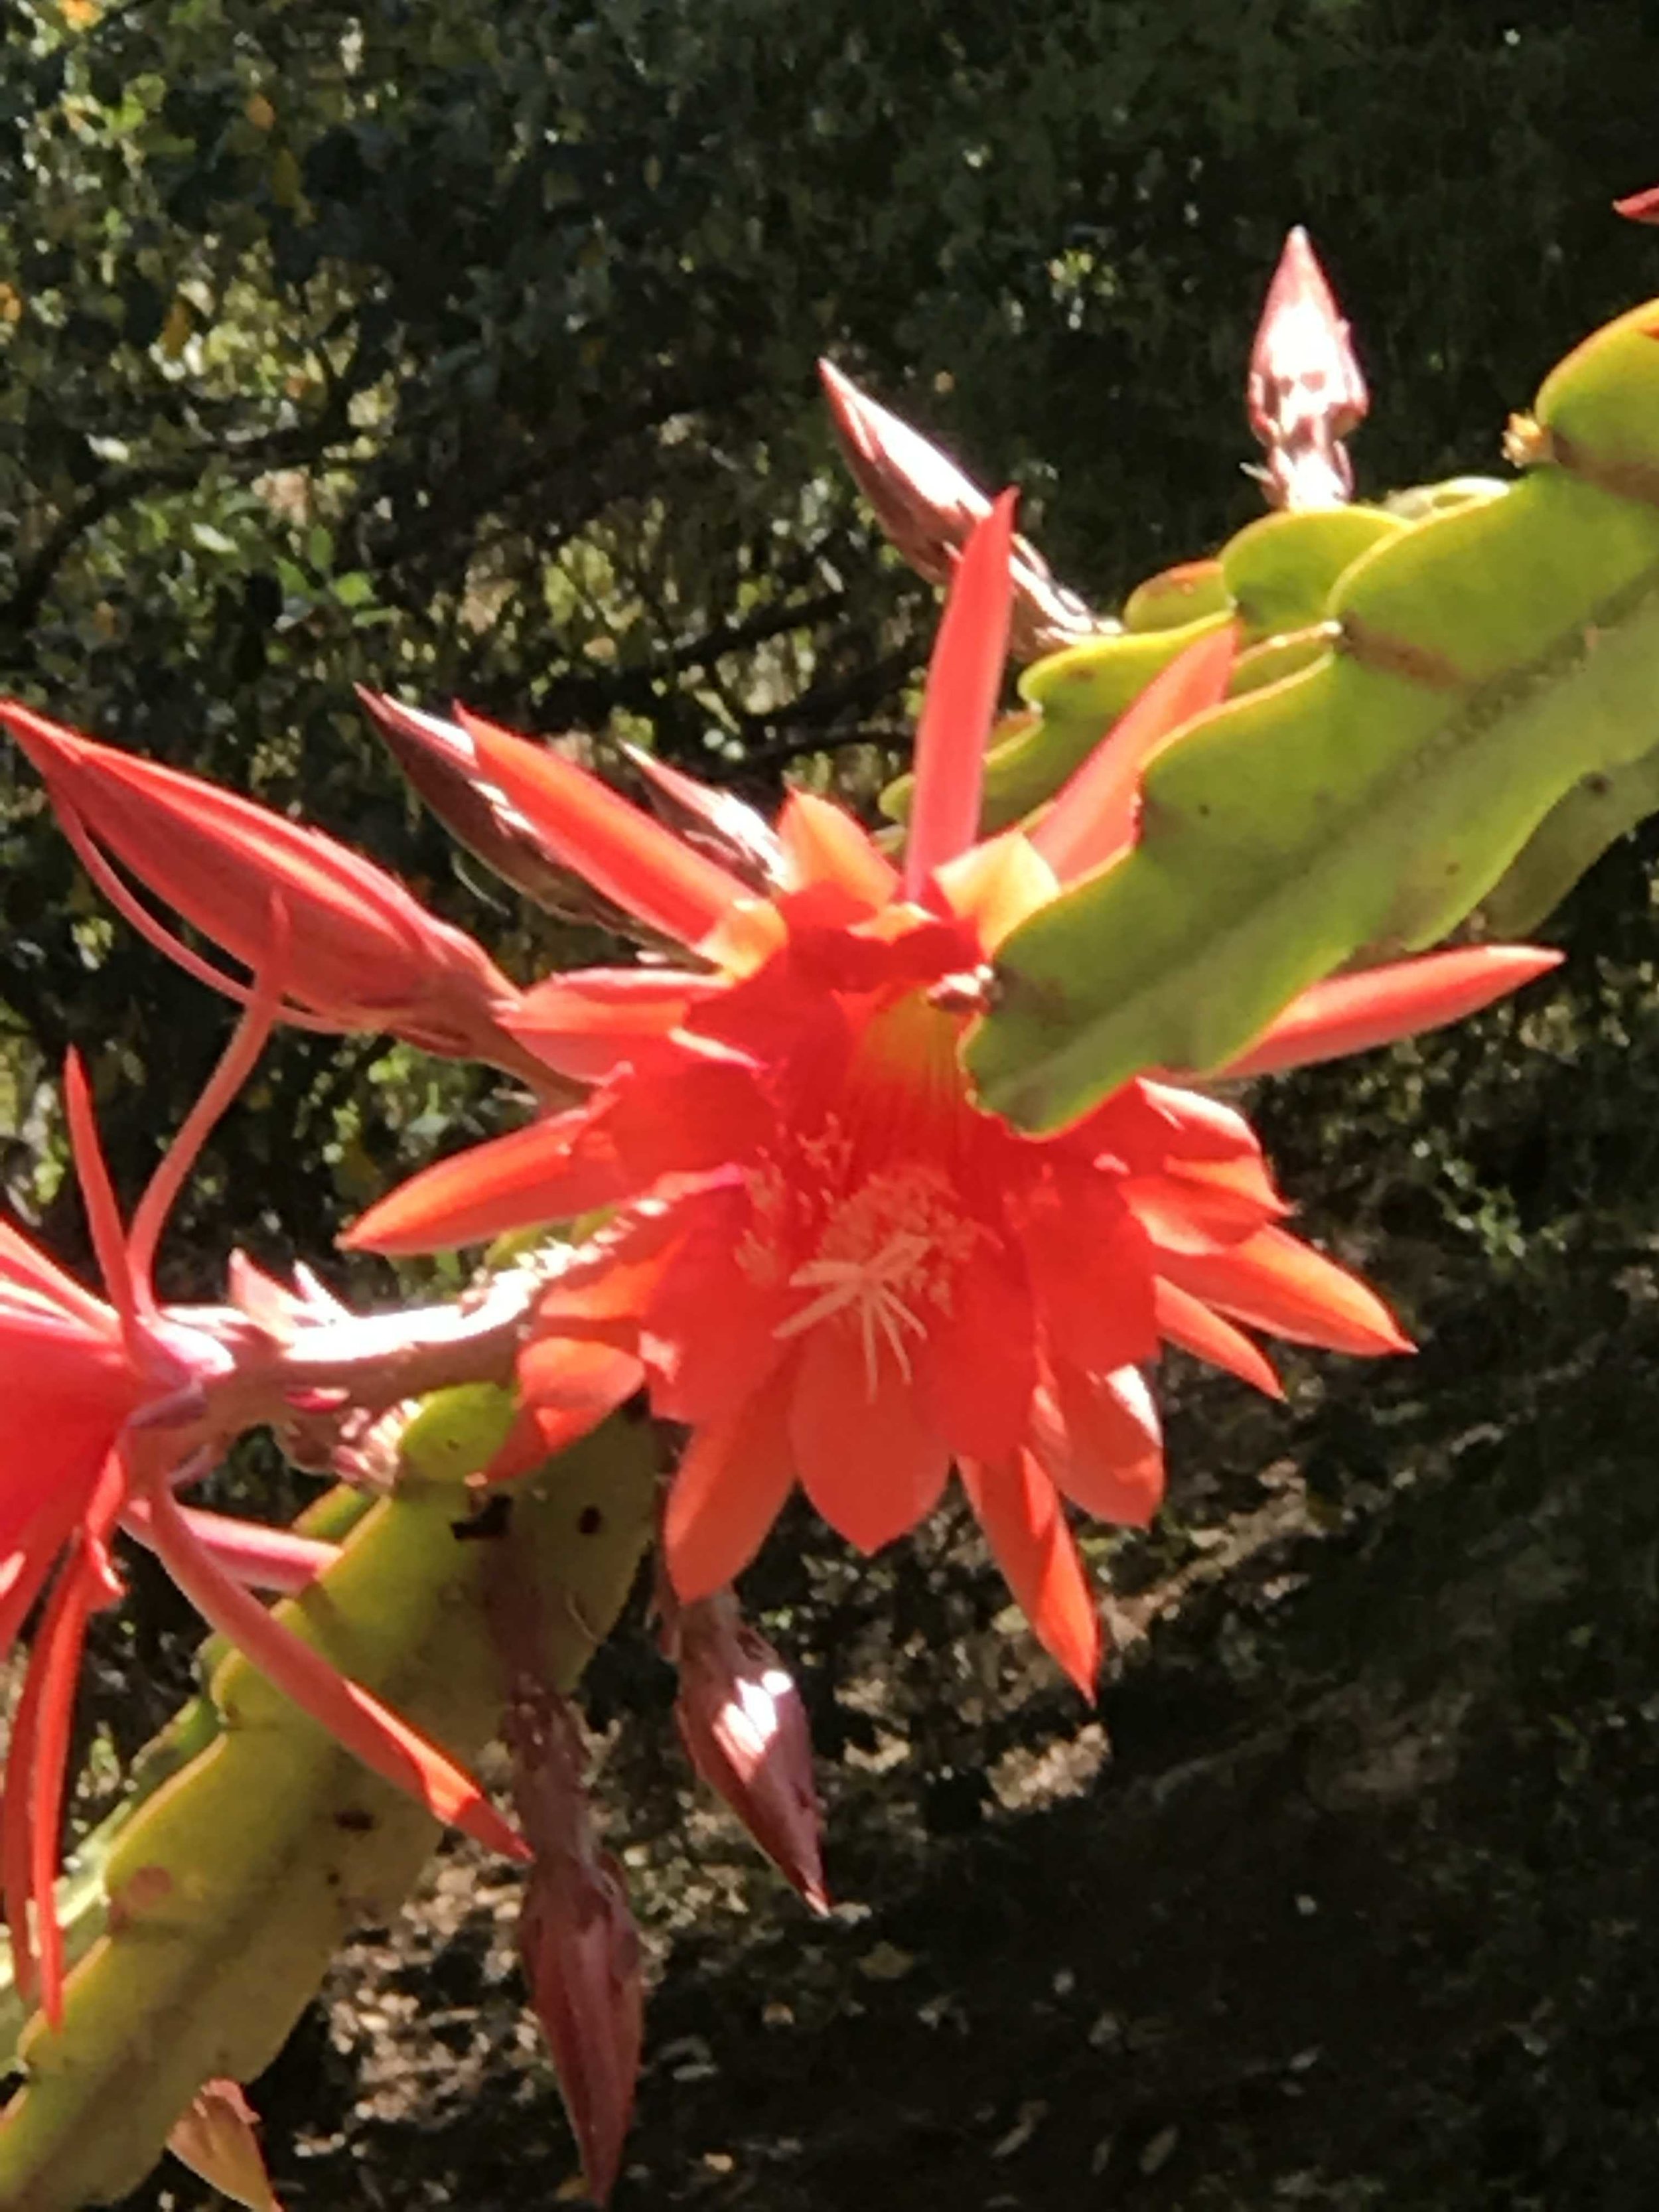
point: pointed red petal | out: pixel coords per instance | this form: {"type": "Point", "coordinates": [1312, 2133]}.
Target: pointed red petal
{"type": "Point", "coordinates": [23, 1262]}
{"type": "Point", "coordinates": [1017, 1507]}
{"type": "Point", "coordinates": [39, 1747]}
{"type": "Point", "coordinates": [1275, 1282]}
{"type": "Point", "coordinates": [708, 1330]}
{"type": "Point", "coordinates": [583, 1024]}
{"type": "Point", "coordinates": [1096, 813]}
{"type": "Point", "coordinates": [1639, 207]}
{"type": "Point", "coordinates": [730, 1487]}
{"type": "Point", "coordinates": [1187, 1321]}
{"type": "Point", "coordinates": [976, 1366]}
{"type": "Point", "coordinates": [1099, 1440]}
{"type": "Point", "coordinates": [551, 1171]}
{"type": "Point", "coordinates": [824, 850]}
{"type": "Point", "coordinates": [371, 1731]}
{"type": "Point", "coordinates": [964, 679]}
{"type": "Point", "coordinates": [1353, 1013]}
{"type": "Point", "coordinates": [1191, 1210]}
{"type": "Point", "coordinates": [1091, 1272]}
{"type": "Point", "coordinates": [639, 866]}
{"type": "Point", "coordinates": [33, 1800]}
{"type": "Point", "coordinates": [866, 1458]}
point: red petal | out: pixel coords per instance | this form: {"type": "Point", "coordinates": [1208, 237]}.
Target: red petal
{"type": "Point", "coordinates": [976, 1366]}
{"type": "Point", "coordinates": [1020, 1514]}
{"type": "Point", "coordinates": [1187, 1321]}
{"type": "Point", "coordinates": [551, 1171]}
{"type": "Point", "coordinates": [23, 1262]}
{"type": "Point", "coordinates": [964, 679]}
{"type": "Point", "coordinates": [35, 1780]}
{"type": "Point", "coordinates": [1099, 1439]}
{"type": "Point", "coordinates": [1639, 207]}
{"type": "Point", "coordinates": [540, 1431]}
{"type": "Point", "coordinates": [686, 1120]}
{"type": "Point", "coordinates": [708, 1334]}
{"type": "Point", "coordinates": [731, 1486]}
{"type": "Point", "coordinates": [1274, 1282]}
{"type": "Point", "coordinates": [604, 1292]}
{"type": "Point", "coordinates": [1353, 1013]}
{"type": "Point", "coordinates": [826, 849]}
{"type": "Point", "coordinates": [1189, 1211]}
{"type": "Point", "coordinates": [440, 761]}
{"type": "Point", "coordinates": [1091, 1272]}
{"type": "Point", "coordinates": [866, 1458]}
{"type": "Point", "coordinates": [583, 1024]}
{"type": "Point", "coordinates": [1153, 1127]}
{"type": "Point", "coordinates": [635, 862]}
{"type": "Point", "coordinates": [371, 1731]}
{"type": "Point", "coordinates": [1097, 811]}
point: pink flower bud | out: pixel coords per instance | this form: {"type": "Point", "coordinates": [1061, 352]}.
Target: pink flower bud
{"type": "Point", "coordinates": [576, 1936]}
{"type": "Point", "coordinates": [214, 2137]}
{"type": "Point", "coordinates": [363, 953]}
{"type": "Point", "coordinates": [744, 1727]}
{"type": "Point", "coordinates": [1305, 393]}
{"type": "Point", "coordinates": [929, 508]}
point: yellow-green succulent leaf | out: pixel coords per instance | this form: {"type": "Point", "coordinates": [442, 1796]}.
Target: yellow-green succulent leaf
{"type": "Point", "coordinates": [1175, 597]}
{"type": "Point", "coordinates": [1486, 659]}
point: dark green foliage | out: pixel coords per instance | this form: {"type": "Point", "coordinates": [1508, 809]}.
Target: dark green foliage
{"type": "Point", "coordinates": [470, 349]}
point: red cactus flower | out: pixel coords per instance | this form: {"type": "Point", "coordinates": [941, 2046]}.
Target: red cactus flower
{"type": "Point", "coordinates": [744, 1730]}
{"type": "Point", "coordinates": [103, 1401]}
{"type": "Point", "coordinates": [363, 953]}
{"type": "Point", "coordinates": [828, 1262]}
{"type": "Point", "coordinates": [1305, 392]}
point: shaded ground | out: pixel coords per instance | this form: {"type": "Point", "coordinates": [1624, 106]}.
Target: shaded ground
{"type": "Point", "coordinates": [1359, 1911]}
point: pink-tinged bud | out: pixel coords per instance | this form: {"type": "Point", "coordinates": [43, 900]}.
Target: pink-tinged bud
{"type": "Point", "coordinates": [362, 953]}
{"type": "Point", "coordinates": [216, 2138]}
{"type": "Point", "coordinates": [1305, 393]}
{"type": "Point", "coordinates": [929, 508]}
{"type": "Point", "coordinates": [744, 1727]}
{"type": "Point", "coordinates": [716, 822]}
{"type": "Point", "coordinates": [442, 761]}
{"type": "Point", "coordinates": [577, 1940]}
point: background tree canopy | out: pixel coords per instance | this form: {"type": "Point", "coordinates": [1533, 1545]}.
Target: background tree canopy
{"type": "Point", "coordinates": [469, 349]}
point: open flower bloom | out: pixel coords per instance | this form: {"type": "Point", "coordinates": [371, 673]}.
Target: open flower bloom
{"type": "Point", "coordinates": [826, 1259]}
{"type": "Point", "coordinates": [107, 1408]}
{"type": "Point", "coordinates": [363, 953]}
